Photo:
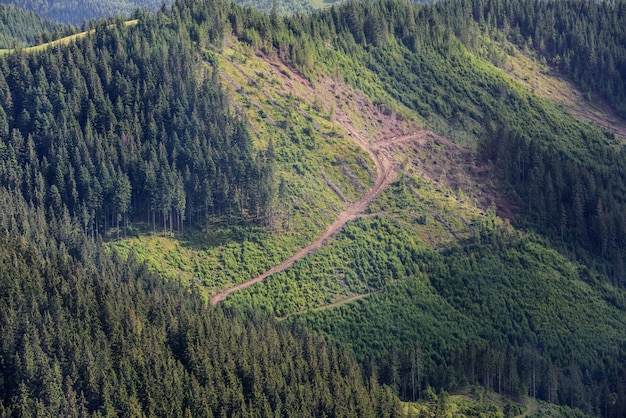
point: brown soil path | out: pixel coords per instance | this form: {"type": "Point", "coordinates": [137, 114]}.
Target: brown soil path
{"type": "Point", "coordinates": [386, 172]}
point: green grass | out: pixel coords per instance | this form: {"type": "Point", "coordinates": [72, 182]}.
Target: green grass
{"type": "Point", "coordinates": [407, 216]}
{"type": "Point", "coordinates": [312, 150]}
{"type": "Point", "coordinates": [322, 4]}
{"type": "Point", "coordinates": [63, 41]}
{"type": "Point", "coordinates": [476, 401]}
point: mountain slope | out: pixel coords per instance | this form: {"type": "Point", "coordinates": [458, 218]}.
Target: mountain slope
{"type": "Point", "coordinates": [354, 262]}
{"type": "Point", "coordinates": [383, 249]}
{"type": "Point", "coordinates": [19, 27]}
{"type": "Point", "coordinates": [493, 259]}
{"type": "Point", "coordinates": [86, 332]}
{"type": "Point", "coordinates": [431, 206]}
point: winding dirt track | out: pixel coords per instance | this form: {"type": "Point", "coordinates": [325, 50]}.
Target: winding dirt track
{"type": "Point", "coordinates": [386, 172]}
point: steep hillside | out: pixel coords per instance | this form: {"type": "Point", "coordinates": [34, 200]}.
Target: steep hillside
{"type": "Point", "coordinates": [399, 257]}
{"type": "Point", "coordinates": [19, 27]}
{"type": "Point", "coordinates": [439, 213]}
{"type": "Point", "coordinates": [402, 254]}
{"type": "Point", "coordinates": [381, 173]}
{"type": "Point", "coordinates": [86, 332]}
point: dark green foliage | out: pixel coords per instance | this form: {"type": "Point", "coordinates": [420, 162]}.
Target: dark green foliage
{"type": "Point", "coordinates": [128, 122]}
{"type": "Point", "coordinates": [112, 339]}
{"type": "Point", "coordinates": [584, 40]}
{"type": "Point", "coordinates": [503, 312]}
{"type": "Point", "coordinates": [77, 13]}
{"type": "Point", "coordinates": [19, 27]}
{"type": "Point", "coordinates": [279, 7]}
{"type": "Point", "coordinates": [87, 332]}
{"type": "Point", "coordinates": [574, 195]}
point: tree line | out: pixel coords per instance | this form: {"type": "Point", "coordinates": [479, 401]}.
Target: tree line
{"type": "Point", "coordinates": [117, 126]}
{"type": "Point", "coordinates": [106, 337]}
{"type": "Point", "coordinates": [19, 27]}
{"type": "Point", "coordinates": [70, 12]}
{"type": "Point", "coordinates": [585, 41]}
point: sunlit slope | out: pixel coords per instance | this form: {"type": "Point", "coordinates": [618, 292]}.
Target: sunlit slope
{"type": "Point", "coordinates": [464, 261]}
{"type": "Point", "coordinates": [319, 171]}
{"type": "Point", "coordinates": [435, 262]}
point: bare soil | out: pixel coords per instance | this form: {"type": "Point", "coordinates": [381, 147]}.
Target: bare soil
{"type": "Point", "coordinates": [384, 136]}
{"type": "Point", "coordinates": [452, 167]}
{"type": "Point", "coordinates": [386, 172]}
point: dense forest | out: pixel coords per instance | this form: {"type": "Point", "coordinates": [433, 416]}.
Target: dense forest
{"type": "Point", "coordinates": [79, 13]}
{"type": "Point", "coordinates": [92, 129]}
{"type": "Point", "coordinates": [130, 126]}
{"type": "Point", "coordinates": [108, 338]}
{"type": "Point", "coordinates": [19, 27]}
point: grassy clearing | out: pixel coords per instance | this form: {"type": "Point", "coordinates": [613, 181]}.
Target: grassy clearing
{"type": "Point", "coordinates": [412, 213]}
{"type": "Point", "coordinates": [211, 259]}
{"type": "Point", "coordinates": [64, 41]}
{"type": "Point", "coordinates": [524, 68]}
{"type": "Point", "coordinates": [316, 163]}
{"type": "Point", "coordinates": [280, 106]}
{"type": "Point", "coordinates": [322, 4]}
{"type": "Point", "coordinates": [543, 82]}
{"type": "Point", "coordinates": [476, 401]}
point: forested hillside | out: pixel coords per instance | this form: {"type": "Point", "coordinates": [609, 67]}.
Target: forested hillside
{"type": "Point", "coordinates": [583, 40]}
{"type": "Point", "coordinates": [567, 174]}
{"type": "Point", "coordinates": [78, 13]}
{"type": "Point", "coordinates": [19, 27]}
{"type": "Point", "coordinates": [85, 332]}
{"type": "Point", "coordinates": [562, 176]}
{"type": "Point", "coordinates": [110, 339]}
{"type": "Point", "coordinates": [114, 127]}
{"type": "Point", "coordinates": [481, 227]}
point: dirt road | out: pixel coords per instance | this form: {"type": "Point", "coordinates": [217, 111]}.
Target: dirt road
{"type": "Point", "coordinates": [386, 172]}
